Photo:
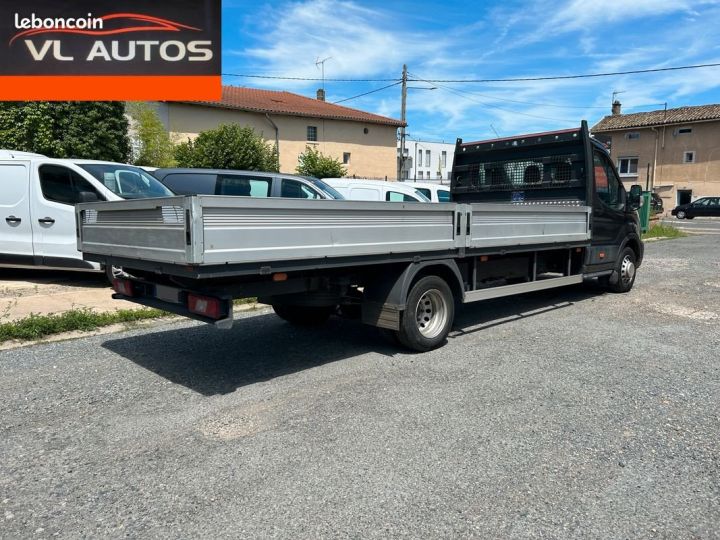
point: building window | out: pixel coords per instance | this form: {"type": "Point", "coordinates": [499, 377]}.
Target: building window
{"type": "Point", "coordinates": [632, 136]}
{"type": "Point", "coordinates": [684, 131]}
{"type": "Point", "coordinates": [627, 166]}
{"type": "Point", "coordinates": [443, 159]}
{"type": "Point", "coordinates": [312, 133]}
{"type": "Point", "coordinates": [419, 157]}
{"type": "Point", "coordinates": [689, 157]}
{"type": "Point", "coordinates": [420, 175]}
{"type": "Point", "coordinates": [427, 158]}
{"type": "Point", "coordinates": [346, 158]}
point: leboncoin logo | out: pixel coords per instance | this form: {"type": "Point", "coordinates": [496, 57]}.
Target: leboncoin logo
{"type": "Point", "coordinates": [109, 50]}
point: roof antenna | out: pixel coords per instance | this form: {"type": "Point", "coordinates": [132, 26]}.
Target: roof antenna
{"type": "Point", "coordinates": [615, 93]}
{"type": "Point", "coordinates": [320, 64]}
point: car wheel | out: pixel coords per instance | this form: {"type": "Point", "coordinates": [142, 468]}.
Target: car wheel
{"type": "Point", "coordinates": [428, 315]}
{"type": "Point", "coordinates": [680, 214]}
{"type": "Point", "coordinates": [303, 315]}
{"type": "Point", "coordinates": [626, 270]}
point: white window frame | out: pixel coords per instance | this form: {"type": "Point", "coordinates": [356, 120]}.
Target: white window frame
{"type": "Point", "coordinates": [628, 159]}
{"type": "Point", "coordinates": [687, 153]}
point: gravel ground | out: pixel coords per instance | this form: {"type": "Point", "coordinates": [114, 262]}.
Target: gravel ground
{"type": "Point", "coordinates": [559, 414]}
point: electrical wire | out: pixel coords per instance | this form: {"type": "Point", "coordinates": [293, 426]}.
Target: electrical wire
{"type": "Point", "coordinates": [511, 79]}
{"type": "Point", "coordinates": [367, 93]}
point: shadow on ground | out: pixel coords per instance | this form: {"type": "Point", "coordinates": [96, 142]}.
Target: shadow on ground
{"type": "Point", "coordinates": [258, 348]}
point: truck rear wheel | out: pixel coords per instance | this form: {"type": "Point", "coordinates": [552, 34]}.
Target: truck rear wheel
{"type": "Point", "coordinates": [428, 316]}
{"type": "Point", "coordinates": [303, 315]}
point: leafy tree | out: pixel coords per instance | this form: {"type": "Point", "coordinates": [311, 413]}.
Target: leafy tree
{"type": "Point", "coordinates": [314, 163]}
{"type": "Point", "coordinates": [230, 146]}
{"type": "Point", "coordinates": [155, 148]}
{"type": "Point", "coordinates": [66, 129]}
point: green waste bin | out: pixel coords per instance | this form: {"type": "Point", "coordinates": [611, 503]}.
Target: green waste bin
{"type": "Point", "coordinates": [644, 212]}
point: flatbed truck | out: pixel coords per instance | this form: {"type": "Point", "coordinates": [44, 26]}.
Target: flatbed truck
{"type": "Point", "coordinates": [531, 212]}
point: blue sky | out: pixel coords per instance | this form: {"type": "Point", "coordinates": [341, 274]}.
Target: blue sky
{"type": "Point", "coordinates": [465, 40]}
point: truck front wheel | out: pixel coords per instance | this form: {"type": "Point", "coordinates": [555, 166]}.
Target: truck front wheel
{"type": "Point", "coordinates": [428, 316]}
{"type": "Point", "coordinates": [625, 269]}
{"type": "Point", "coordinates": [304, 315]}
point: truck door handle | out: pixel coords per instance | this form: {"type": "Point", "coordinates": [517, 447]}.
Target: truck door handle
{"type": "Point", "coordinates": [46, 220]}
{"type": "Point", "coordinates": [13, 219]}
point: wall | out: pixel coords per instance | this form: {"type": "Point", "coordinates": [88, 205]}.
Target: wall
{"type": "Point", "coordinates": [413, 167]}
{"type": "Point", "coordinates": [702, 176]}
{"type": "Point", "coordinates": [372, 154]}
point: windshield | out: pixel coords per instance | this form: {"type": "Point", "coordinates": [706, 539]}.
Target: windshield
{"type": "Point", "coordinates": [327, 188]}
{"type": "Point", "coordinates": [127, 181]}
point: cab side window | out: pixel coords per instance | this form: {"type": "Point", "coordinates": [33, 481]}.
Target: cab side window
{"type": "Point", "coordinates": [63, 185]}
{"type": "Point", "coordinates": [297, 190]}
{"type": "Point", "coordinates": [607, 184]}
{"type": "Point", "coordinates": [394, 196]}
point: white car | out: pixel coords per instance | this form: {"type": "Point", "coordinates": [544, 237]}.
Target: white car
{"type": "Point", "coordinates": [37, 205]}
{"type": "Point", "coordinates": [360, 189]}
{"type": "Point", "coordinates": [434, 192]}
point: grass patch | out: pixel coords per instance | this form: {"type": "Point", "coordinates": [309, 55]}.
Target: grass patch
{"type": "Point", "coordinates": [38, 326]}
{"type": "Point", "coordinates": [663, 231]}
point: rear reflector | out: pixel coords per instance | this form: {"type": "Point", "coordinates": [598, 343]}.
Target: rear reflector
{"type": "Point", "coordinates": [124, 287]}
{"type": "Point", "coordinates": [207, 306]}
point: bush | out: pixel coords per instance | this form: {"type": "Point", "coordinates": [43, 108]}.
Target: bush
{"type": "Point", "coordinates": [230, 146]}
{"type": "Point", "coordinates": [314, 163]}
{"type": "Point", "coordinates": [155, 148]}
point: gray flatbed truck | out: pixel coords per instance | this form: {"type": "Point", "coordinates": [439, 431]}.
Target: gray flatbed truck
{"type": "Point", "coordinates": [529, 213]}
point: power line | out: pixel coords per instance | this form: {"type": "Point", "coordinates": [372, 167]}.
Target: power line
{"type": "Point", "coordinates": [583, 76]}
{"type": "Point", "coordinates": [284, 78]}
{"type": "Point", "coordinates": [511, 79]}
{"type": "Point", "coordinates": [370, 92]}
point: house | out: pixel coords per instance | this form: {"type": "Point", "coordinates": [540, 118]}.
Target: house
{"type": "Point", "coordinates": [674, 152]}
{"type": "Point", "coordinates": [427, 160]}
{"type": "Point", "coordinates": [363, 141]}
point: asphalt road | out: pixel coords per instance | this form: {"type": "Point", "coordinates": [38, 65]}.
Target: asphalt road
{"type": "Point", "coordinates": [561, 414]}
{"type": "Point", "coordinates": [699, 225]}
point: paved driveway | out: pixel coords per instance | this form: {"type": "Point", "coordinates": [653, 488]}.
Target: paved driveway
{"type": "Point", "coordinates": [560, 414]}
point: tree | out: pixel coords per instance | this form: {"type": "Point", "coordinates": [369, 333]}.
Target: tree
{"type": "Point", "coordinates": [230, 146]}
{"type": "Point", "coordinates": [66, 129]}
{"type": "Point", "coordinates": [314, 163]}
{"type": "Point", "coordinates": [154, 146]}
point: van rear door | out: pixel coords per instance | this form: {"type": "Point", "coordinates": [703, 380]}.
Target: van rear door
{"type": "Point", "coordinates": [16, 230]}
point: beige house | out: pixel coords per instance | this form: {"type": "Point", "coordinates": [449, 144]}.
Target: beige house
{"type": "Point", "coordinates": [676, 152]}
{"type": "Point", "coordinates": [364, 142]}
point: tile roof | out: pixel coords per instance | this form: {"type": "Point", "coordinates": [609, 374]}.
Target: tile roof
{"type": "Point", "coordinates": [679, 115]}
{"type": "Point", "coordinates": [274, 102]}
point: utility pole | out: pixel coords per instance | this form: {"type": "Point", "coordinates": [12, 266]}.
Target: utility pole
{"type": "Point", "coordinates": [401, 161]}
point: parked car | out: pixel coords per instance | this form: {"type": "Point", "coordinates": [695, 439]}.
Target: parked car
{"type": "Point", "coordinates": [37, 200]}
{"type": "Point", "coordinates": [656, 204]}
{"type": "Point", "coordinates": [434, 192]}
{"type": "Point", "coordinates": [360, 189]}
{"type": "Point", "coordinates": [705, 206]}
{"type": "Point", "coordinates": [244, 184]}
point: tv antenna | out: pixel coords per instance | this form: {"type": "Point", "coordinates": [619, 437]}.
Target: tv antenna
{"type": "Point", "coordinates": [615, 93]}
{"type": "Point", "coordinates": [320, 64]}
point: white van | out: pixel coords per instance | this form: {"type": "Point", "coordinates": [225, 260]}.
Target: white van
{"type": "Point", "coordinates": [360, 189]}
{"type": "Point", "coordinates": [434, 192]}
{"type": "Point", "coordinates": [37, 198]}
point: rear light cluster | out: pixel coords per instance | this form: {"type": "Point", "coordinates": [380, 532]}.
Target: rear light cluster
{"type": "Point", "coordinates": [207, 306]}
{"type": "Point", "coordinates": [124, 287]}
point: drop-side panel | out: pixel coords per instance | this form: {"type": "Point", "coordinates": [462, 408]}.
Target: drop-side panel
{"type": "Point", "coordinates": [148, 229]}
{"type": "Point", "coordinates": [252, 230]}
{"type": "Point", "coordinates": [494, 225]}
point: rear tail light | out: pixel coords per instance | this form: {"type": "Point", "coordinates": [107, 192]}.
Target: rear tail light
{"type": "Point", "coordinates": [207, 306]}
{"type": "Point", "coordinates": [124, 287]}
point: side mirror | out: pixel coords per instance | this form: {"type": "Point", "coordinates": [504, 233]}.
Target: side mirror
{"type": "Point", "coordinates": [87, 196]}
{"type": "Point", "coordinates": [635, 196]}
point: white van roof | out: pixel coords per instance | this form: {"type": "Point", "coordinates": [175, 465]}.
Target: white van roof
{"type": "Point", "coordinates": [16, 154]}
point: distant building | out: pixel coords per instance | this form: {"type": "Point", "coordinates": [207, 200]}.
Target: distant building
{"type": "Point", "coordinates": [425, 160]}
{"type": "Point", "coordinates": [676, 152]}
{"type": "Point", "coordinates": [363, 141]}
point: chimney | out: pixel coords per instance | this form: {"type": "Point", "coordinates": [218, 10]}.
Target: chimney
{"type": "Point", "coordinates": [616, 106]}
{"type": "Point", "coordinates": [321, 94]}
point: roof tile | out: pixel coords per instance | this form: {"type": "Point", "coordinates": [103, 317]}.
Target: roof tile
{"type": "Point", "coordinates": [679, 115]}
{"type": "Point", "coordinates": [271, 101]}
